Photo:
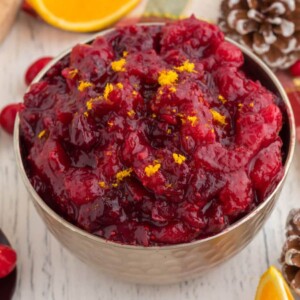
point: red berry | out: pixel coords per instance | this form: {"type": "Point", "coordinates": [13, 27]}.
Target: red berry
{"type": "Point", "coordinates": [295, 68]}
{"type": "Point", "coordinates": [82, 186]}
{"type": "Point", "coordinates": [267, 169]}
{"type": "Point", "coordinates": [35, 68]}
{"type": "Point", "coordinates": [8, 116]}
{"type": "Point", "coordinates": [8, 259]}
{"type": "Point", "coordinates": [229, 54]}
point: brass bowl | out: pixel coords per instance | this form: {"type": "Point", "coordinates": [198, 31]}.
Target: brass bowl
{"type": "Point", "coordinates": [167, 264]}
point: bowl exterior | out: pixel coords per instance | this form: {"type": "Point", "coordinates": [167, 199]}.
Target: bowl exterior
{"type": "Point", "coordinates": [168, 264]}
{"type": "Point", "coordinates": [160, 265]}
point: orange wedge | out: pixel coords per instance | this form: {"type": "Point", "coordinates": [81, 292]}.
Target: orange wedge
{"type": "Point", "coordinates": [82, 15]}
{"type": "Point", "coordinates": [272, 286]}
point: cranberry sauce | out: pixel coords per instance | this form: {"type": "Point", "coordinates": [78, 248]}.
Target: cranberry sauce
{"type": "Point", "coordinates": [152, 135]}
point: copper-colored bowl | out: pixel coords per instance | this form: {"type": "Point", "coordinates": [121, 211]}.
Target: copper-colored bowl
{"type": "Point", "coordinates": [167, 264]}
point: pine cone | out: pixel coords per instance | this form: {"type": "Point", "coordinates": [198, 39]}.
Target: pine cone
{"type": "Point", "coordinates": [290, 257]}
{"type": "Point", "coordinates": [271, 28]}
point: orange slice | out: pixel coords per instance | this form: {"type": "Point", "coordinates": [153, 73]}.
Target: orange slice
{"type": "Point", "coordinates": [272, 286]}
{"type": "Point", "coordinates": [82, 15]}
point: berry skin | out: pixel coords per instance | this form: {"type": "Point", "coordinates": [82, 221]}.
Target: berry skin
{"type": "Point", "coordinates": [8, 116]}
{"type": "Point", "coordinates": [35, 68]}
{"type": "Point", "coordinates": [295, 68]}
{"type": "Point", "coordinates": [229, 54]}
{"type": "Point", "coordinates": [8, 259]}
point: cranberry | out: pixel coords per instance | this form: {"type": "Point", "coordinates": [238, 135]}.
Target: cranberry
{"type": "Point", "coordinates": [8, 259]}
{"type": "Point", "coordinates": [192, 214]}
{"type": "Point", "coordinates": [257, 130]}
{"type": "Point", "coordinates": [215, 157]}
{"type": "Point", "coordinates": [174, 233]}
{"type": "Point", "coordinates": [231, 82]}
{"type": "Point", "coordinates": [82, 186]}
{"type": "Point", "coordinates": [8, 116]}
{"type": "Point", "coordinates": [237, 195]}
{"type": "Point", "coordinates": [267, 170]}
{"type": "Point", "coordinates": [229, 54]}
{"type": "Point", "coordinates": [217, 220]}
{"type": "Point", "coordinates": [35, 68]}
{"type": "Point", "coordinates": [191, 36]}
{"type": "Point", "coordinates": [295, 68]}
{"type": "Point", "coordinates": [82, 133]}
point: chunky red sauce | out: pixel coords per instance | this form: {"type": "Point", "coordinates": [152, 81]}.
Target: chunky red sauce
{"type": "Point", "coordinates": [152, 135]}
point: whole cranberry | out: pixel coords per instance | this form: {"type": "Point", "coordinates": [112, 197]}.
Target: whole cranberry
{"type": "Point", "coordinates": [229, 54]}
{"type": "Point", "coordinates": [35, 68]}
{"type": "Point", "coordinates": [8, 259]}
{"type": "Point", "coordinates": [295, 68]}
{"type": "Point", "coordinates": [8, 116]}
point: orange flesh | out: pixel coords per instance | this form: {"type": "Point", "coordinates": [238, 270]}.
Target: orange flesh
{"type": "Point", "coordinates": [83, 11]}
{"type": "Point", "coordinates": [272, 286]}
{"type": "Point", "coordinates": [269, 291]}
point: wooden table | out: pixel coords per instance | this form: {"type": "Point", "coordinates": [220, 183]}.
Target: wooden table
{"type": "Point", "coordinates": [46, 270]}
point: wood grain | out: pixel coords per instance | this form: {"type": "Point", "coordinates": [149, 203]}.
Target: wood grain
{"type": "Point", "coordinates": [45, 270]}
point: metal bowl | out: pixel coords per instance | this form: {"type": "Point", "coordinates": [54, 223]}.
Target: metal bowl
{"type": "Point", "coordinates": [168, 264]}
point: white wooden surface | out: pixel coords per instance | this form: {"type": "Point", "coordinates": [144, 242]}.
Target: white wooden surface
{"type": "Point", "coordinates": [46, 270]}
